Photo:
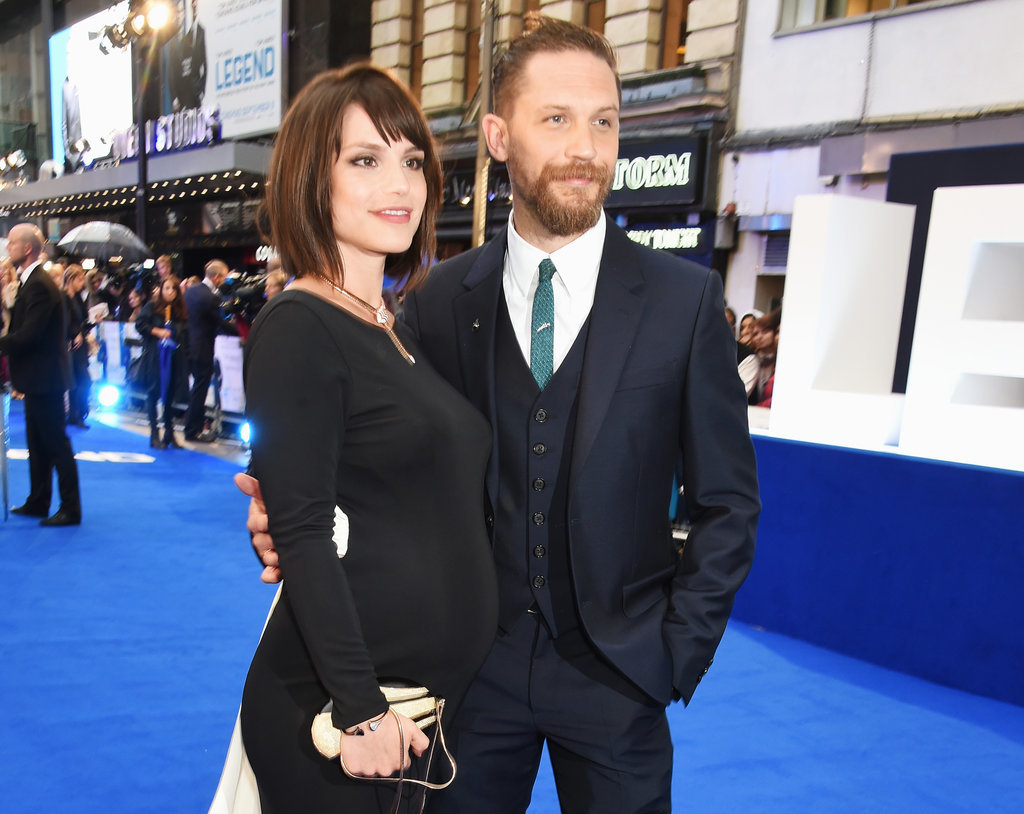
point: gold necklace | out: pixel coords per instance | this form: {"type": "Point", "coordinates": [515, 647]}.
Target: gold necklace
{"type": "Point", "coordinates": [380, 315]}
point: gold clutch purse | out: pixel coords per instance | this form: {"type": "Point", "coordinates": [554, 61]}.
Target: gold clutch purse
{"type": "Point", "coordinates": [415, 703]}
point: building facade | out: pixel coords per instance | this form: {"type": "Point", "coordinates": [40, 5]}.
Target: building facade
{"type": "Point", "coordinates": [829, 92]}
{"type": "Point", "coordinates": [676, 58]}
{"type": "Point", "coordinates": [203, 179]}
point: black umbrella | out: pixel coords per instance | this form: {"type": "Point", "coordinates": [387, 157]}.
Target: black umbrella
{"type": "Point", "coordinates": [102, 240]}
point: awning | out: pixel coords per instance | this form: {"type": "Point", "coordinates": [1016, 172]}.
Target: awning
{"type": "Point", "coordinates": [218, 170]}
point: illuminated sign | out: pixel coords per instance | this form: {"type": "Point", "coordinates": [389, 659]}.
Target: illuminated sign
{"type": "Point", "coordinates": [670, 170]}
{"type": "Point", "coordinates": [659, 172]}
{"type": "Point", "coordinates": [693, 239]}
{"type": "Point", "coordinates": [178, 131]}
{"type": "Point", "coordinates": [687, 237]}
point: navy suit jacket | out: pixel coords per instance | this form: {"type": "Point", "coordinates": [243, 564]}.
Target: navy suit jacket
{"type": "Point", "coordinates": [659, 380]}
{"type": "Point", "coordinates": [203, 308]}
{"type": "Point", "coordinates": [37, 341]}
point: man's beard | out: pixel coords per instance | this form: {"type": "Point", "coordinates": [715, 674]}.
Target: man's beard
{"type": "Point", "coordinates": [559, 215]}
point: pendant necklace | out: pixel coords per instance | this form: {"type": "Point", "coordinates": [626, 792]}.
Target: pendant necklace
{"type": "Point", "coordinates": [380, 315]}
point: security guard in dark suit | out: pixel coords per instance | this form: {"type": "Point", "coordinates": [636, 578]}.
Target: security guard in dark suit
{"type": "Point", "coordinates": [41, 369]}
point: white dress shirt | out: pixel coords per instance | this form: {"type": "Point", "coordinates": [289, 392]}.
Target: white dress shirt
{"type": "Point", "coordinates": [23, 275]}
{"type": "Point", "coordinates": [573, 284]}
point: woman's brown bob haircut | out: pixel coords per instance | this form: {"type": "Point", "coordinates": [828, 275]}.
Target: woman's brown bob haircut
{"type": "Point", "coordinates": [548, 36]}
{"type": "Point", "coordinates": [297, 216]}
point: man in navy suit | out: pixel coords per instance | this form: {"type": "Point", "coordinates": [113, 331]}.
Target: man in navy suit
{"type": "Point", "coordinates": [41, 369]}
{"type": "Point", "coordinates": [602, 621]}
{"type": "Point", "coordinates": [204, 320]}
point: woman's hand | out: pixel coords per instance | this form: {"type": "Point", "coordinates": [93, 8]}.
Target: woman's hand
{"type": "Point", "coordinates": [376, 754]}
{"type": "Point", "coordinates": [257, 525]}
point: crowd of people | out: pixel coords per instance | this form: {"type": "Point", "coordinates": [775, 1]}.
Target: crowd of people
{"type": "Point", "coordinates": [176, 322]}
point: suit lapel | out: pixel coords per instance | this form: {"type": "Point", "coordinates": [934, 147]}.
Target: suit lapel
{"type": "Point", "coordinates": [614, 321]}
{"type": "Point", "coordinates": [476, 315]}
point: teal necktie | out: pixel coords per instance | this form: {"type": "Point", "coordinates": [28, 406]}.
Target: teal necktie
{"type": "Point", "coordinates": [542, 341]}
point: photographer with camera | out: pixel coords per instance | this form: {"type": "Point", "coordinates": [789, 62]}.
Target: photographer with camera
{"type": "Point", "coordinates": [203, 305]}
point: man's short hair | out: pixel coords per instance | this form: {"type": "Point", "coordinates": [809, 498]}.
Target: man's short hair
{"type": "Point", "coordinates": [543, 34]}
{"type": "Point", "coordinates": [215, 267]}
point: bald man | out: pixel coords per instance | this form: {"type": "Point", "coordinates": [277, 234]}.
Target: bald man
{"type": "Point", "coordinates": [36, 346]}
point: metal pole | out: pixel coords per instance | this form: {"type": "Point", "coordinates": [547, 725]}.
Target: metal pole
{"type": "Point", "coordinates": [141, 64]}
{"type": "Point", "coordinates": [5, 415]}
{"type": "Point", "coordinates": [483, 158]}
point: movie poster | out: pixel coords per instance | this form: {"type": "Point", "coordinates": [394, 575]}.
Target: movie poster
{"type": "Point", "coordinates": [90, 90]}
{"type": "Point", "coordinates": [225, 58]}
{"type": "Point", "coordinates": [231, 53]}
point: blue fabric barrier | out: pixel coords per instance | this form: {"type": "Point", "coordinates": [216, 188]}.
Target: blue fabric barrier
{"type": "Point", "coordinates": [913, 564]}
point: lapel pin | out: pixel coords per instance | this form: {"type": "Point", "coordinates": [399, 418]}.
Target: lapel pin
{"type": "Point", "coordinates": [476, 324]}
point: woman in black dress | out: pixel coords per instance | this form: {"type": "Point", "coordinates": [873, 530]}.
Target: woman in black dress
{"type": "Point", "coordinates": [162, 324]}
{"type": "Point", "coordinates": [351, 424]}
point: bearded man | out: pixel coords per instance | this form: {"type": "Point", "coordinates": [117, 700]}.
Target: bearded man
{"type": "Point", "coordinates": [598, 362]}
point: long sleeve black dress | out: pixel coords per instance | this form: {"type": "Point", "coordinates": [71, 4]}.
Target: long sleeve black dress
{"type": "Point", "coordinates": [340, 419]}
{"type": "Point", "coordinates": [161, 385]}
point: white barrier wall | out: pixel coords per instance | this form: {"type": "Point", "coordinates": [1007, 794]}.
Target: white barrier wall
{"type": "Point", "coordinates": [965, 388]}
{"type": "Point", "coordinates": [119, 354]}
{"type": "Point", "coordinates": [845, 284]}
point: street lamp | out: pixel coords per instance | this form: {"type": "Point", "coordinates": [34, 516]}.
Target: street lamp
{"type": "Point", "coordinates": [150, 24]}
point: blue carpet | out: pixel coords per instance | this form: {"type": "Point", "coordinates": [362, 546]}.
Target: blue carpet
{"type": "Point", "coordinates": [126, 642]}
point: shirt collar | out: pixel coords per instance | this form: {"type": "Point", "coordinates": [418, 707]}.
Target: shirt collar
{"type": "Point", "coordinates": [575, 263]}
{"type": "Point", "coordinates": [24, 275]}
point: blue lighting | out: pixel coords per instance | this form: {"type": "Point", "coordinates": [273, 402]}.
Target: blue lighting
{"type": "Point", "coordinates": [245, 432]}
{"type": "Point", "coordinates": [108, 396]}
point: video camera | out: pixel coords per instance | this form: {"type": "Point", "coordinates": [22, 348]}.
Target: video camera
{"type": "Point", "coordinates": [241, 297]}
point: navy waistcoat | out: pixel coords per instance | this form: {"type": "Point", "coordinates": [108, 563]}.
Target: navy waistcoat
{"type": "Point", "coordinates": [535, 431]}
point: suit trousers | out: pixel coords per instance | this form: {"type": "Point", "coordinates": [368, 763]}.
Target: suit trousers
{"type": "Point", "coordinates": [609, 744]}
{"type": "Point", "coordinates": [78, 396]}
{"type": "Point", "coordinates": [49, 449]}
{"type": "Point", "coordinates": [201, 365]}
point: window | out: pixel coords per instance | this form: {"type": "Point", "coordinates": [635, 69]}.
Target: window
{"type": "Point", "coordinates": [776, 250]}
{"type": "Point", "coordinates": [673, 51]}
{"type": "Point", "coordinates": [796, 13]}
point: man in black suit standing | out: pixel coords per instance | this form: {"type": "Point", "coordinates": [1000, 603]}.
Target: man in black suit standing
{"type": "Point", "coordinates": [40, 369]}
{"type": "Point", "coordinates": [186, 56]}
{"type": "Point", "coordinates": [598, 363]}
{"type": "Point", "coordinates": [204, 320]}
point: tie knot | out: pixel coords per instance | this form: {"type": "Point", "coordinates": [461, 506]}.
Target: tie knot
{"type": "Point", "coordinates": [547, 270]}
